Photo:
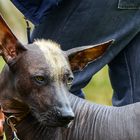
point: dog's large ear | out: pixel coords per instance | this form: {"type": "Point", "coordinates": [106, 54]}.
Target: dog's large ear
{"type": "Point", "coordinates": [9, 44]}
{"type": "Point", "coordinates": [81, 56]}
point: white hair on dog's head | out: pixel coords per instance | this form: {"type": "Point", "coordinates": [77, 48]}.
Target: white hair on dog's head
{"type": "Point", "coordinates": [43, 42]}
{"type": "Point", "coordinates": [53, 55]}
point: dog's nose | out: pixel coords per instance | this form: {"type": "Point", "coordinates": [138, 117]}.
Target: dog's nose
{"type": "Point", "coordinates": [66, 116]}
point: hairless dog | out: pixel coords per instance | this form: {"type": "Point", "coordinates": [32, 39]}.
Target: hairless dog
{"type": "Point", "coordinates": [35, 97]}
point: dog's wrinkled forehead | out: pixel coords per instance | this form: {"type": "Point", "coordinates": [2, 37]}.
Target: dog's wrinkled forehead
{"type": "Point", "coordinates": [47, 55]}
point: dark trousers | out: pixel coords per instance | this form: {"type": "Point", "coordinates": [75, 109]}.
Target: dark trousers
{"type": "Point", "coordinates": [84, 22]}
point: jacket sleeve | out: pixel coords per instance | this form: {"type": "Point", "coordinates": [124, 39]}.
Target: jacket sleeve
{"type": "Point", "coordinates": [35, 10]}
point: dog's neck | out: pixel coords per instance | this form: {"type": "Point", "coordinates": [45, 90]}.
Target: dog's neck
{"type": "Point", "coordinates": [29, 129]}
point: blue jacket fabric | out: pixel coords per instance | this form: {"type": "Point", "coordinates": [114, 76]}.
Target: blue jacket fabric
{"type": "Point", "coordinates": [77, 23]}
{"type": "Point", "coordinates": [35, 10]}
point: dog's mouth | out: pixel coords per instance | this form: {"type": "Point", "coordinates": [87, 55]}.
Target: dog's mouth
{"type": "Point", "coordinates": [51, 119]}
{"type": "Point", "coordinates": [55, 122]}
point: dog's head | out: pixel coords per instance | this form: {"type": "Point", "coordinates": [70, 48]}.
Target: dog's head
{"type": "Point", "coordinates": [40, 74]}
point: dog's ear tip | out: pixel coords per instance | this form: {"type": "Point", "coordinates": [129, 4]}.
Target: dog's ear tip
{"type": "Point", "coordinates": [112, 41]}
{"type": "Point", "coordinates": [80, 57]}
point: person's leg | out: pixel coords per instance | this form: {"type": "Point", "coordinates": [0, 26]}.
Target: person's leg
{"type": "Point", "coordinates": [86, 22]}
{"type": "Point", "coordinates": [125, 74]}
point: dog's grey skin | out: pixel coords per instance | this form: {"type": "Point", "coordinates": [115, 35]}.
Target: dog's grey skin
{"type": "Point", "coordinates": [92, 122]}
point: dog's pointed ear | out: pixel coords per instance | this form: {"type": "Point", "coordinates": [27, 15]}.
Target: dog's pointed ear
{"type": "Point", "coordinates": [81, 56]}
{"type": "Point", "coordinates": [9, 44]}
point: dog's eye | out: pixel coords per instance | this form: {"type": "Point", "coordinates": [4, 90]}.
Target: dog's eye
{"type": "Point", "coordinates": [69, 81]}
{"type": "Point", "coordinates": [39, 79]}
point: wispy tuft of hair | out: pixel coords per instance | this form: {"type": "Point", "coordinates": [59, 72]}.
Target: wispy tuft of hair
{"type": "Point", "coordinates": [43, 42]}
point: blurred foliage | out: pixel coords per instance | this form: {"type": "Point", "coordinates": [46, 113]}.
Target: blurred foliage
{"type": "Point", "coordinates": [98, 90]}
{"type": "Point", "coordinates": [1, 63]}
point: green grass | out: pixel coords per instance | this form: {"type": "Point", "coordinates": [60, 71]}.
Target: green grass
{"type": "Point", "coordinates": [99, 89]}
{"type": "Point", "coordinates": [1, 63]}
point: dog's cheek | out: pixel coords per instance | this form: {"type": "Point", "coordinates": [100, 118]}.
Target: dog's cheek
{"type": "Point", "coordinates": [23, 86]}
